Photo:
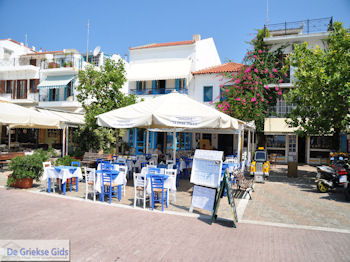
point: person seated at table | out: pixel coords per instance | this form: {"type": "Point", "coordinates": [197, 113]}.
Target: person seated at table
{"type": "Point", "coordinates": [158, 151]}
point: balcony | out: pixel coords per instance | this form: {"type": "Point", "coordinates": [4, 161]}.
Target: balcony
{"type": "Point", "coordinates": [320, 25]}
{"type": "Point", "coordinates": [157, 91]}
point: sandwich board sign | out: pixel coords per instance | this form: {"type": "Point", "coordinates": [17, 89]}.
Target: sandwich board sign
{"type": "Point", "coordinates": [206, 175]}
{"type": "Point", "coordinates": [225, 185]}
{"type": "Point", "coordinates": [206, 168]}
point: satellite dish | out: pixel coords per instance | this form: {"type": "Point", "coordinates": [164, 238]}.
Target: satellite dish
{"type": "Point", "coordinates": [97, 50]}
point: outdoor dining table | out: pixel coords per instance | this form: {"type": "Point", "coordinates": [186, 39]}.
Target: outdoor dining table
{"type": "Point", "coordinates": [63, 173]}
{"type": "Point", "coordinates": [169, 181]}
{"type": "Point", "coordinates": [118, 178]}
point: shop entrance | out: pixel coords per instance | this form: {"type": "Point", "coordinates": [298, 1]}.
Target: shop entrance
{"type": "Point", "coordinates": [225, 143]}
{"type": "Point", "coordinates": [301, 150]}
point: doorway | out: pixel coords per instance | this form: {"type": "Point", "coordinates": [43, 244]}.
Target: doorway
{"type": "Point", "coordinates": [225, 143]}
{"type": "Point", "coordinates": [301, 149]}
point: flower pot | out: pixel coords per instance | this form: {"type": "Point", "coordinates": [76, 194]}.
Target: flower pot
{"type": "Point", "coordinates": [23, 183]}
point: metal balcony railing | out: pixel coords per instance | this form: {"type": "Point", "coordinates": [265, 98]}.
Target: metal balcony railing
{"type": "Point", "coordinates": [301, 27]}
{"type": "Point", "coordinates": [157, 91]}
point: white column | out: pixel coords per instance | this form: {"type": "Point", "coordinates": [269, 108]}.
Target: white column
{"type": "Point", "coordinates": [239, 145]}
{"type": "Point", "coordinates": [249, 149]}
{"type": "Point", "coordinates": [67, 140]}
{"type": "Point", "coordinates": [174, 147]}
{"type": "Point", "coordinates": [64, 141]}
{"type": "Point", "coordinates": [147, 140]}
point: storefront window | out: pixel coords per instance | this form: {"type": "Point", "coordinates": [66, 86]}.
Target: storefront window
{"type": "Point", "coordinates": [321, 142]}
{"type": "Point", "coordinates": [276, 141]}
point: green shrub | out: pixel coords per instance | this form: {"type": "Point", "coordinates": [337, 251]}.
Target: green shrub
{"type": "Point", "coordinates": [64, 161]}
{"type": "Point", "coordinates": [30, 166]}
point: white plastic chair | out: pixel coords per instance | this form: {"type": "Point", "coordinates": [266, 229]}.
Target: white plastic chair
{"type": "Point", "coordinates": [172, 173]}
{"type": "Point", "coordinates": [90, 181]}
{"type": "Point", "coordinates": [45, 165]}
{"type": "Point", "coordinates": [124, 170]}
{"type": "Point", "coordinates": [140, 184]}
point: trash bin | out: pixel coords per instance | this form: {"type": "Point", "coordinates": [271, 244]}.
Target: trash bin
{"type": "Point", "coordinates": [292, 165]}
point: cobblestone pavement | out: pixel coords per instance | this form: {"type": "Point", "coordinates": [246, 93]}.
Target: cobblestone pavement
{"type": "Point", "coordinates": [182, 204]}
{"type": "Point", "coordinates": [105, 233]}
{"type": "Point", "coordinates": [296, 201]}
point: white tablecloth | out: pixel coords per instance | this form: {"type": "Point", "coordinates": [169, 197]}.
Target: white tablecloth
{"type": "Point", "coordinates": [169, 183]}
{"type": "Point", "coordinates": [64, 173]}
{"type": "Point", "coordinates": [119, 180]}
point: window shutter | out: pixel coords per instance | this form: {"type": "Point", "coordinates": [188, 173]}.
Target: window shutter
{"type": "Point", "coordinates": [36, 83]}
{"type": "Point", "coordinates": [177, 84]}
{"type": "Point", "coordinates": [2, 86]}
{"type": "Point", "coordinates": [154, 84]}
{"type": "Point", "coordinates": [184, 83]}
{"type": "Point", "coordinates": [57, 94]}
{"type": "Point", "coordinates": [65, 93]}
{"type": "Point", "coordinates": [25, 89]}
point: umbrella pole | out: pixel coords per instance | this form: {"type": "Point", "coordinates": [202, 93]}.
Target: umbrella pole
{"type": "Point", "coordinates": [9, 130]}
{"type": "Point", "coordinates": [63, 141]}
{"type": "Point", "coordinates": [174, 147]}
{"type": "Point", "coordinates": [147, 140]}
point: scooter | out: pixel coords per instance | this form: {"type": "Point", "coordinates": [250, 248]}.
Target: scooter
{"type": "Point", "coordinates": [331, 177]}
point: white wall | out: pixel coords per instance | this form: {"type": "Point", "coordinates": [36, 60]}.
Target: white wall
{"type": "Point", "coordinates": [199, 81]}
{"type": "Point", "coordinates": [206, 54]}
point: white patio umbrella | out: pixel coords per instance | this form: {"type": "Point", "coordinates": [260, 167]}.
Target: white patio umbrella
{"type": "Point", "coordinates": [15, 116]}
{"type": "Point", "coordinates": [172, 111]}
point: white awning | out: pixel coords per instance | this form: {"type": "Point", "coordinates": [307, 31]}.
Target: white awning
{"type": "Point", "coordinates": [56, 81]}
{"type": "Point", "coordinates": [158, 70]}
{"type": "Point", "coordinates": [67, 118]}
{"type": "Point", "coordinates": [277, 125]}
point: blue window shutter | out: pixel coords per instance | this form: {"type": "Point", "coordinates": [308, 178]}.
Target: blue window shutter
{"type": "Point", "coordinates": [177, 84]}
{"type": "Point", "coordinates": [65, 93]}
{"type": "Point", "coordinates": [57, 94]}
{"type": "Point", "coordinates": [184, 83]}
{"type": "Point", "coordinates": [207, 93]}
{"type": "Point", "coordinates": [154, 84]}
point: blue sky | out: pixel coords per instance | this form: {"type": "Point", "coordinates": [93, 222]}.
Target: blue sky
{"type": "Point", "coordinates": [118, 25]}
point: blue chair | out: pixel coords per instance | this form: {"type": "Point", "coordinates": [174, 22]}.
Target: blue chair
{"type": "Point", "coordinates": [120, 164]}
{"type": "Point", "coordinates": [162, 166]}
{"type": "Point", "coordinates": [70, 180]}
{"type": "Point", "coordinates": [108, 188]}
{"type": "Point", "coordinates": [159, 193]}
{"type": "Point", "coordinates": [144, 164]}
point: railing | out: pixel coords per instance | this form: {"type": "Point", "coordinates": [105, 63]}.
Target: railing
{"type": "Point", "coordinates": [157, 91]}
{"type": "Point", "coordinates": [62, 63]}
{"type": "Point", "coordinates": [301, 27]}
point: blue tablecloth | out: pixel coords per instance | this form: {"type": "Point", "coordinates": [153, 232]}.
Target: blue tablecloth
{"type": "Point", "coordinates": [71, 169]}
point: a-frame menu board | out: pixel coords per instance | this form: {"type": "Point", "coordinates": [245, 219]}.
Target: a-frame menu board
{"type": "Point", "coordinates": [225, 184]}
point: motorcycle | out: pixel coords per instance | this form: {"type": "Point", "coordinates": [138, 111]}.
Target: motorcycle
{"type": "Point", "coordinates": [330, 177]}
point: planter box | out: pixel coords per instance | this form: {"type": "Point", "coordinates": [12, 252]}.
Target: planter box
{"type": "Point", "coordinates": [23, 183]}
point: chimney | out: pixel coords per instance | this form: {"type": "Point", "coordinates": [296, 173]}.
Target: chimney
{"type": "Point", "coordinates": [196, 38]}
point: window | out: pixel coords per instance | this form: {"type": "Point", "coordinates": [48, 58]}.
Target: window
{"type": "Point", "coordinates": [33, 84]}
{"type": "Point", "coordinates": [208, 93]}
{"type": "Point", "coordinates": [21, 90]}
{"type": "Point", "coordinates": [7, 54]}
{"type": "Point", "coordinates": [223, 93]}
{"type": "Point", "coordinates": [54, 94]}
{"type": "Point", "coordinates": [180, 84]}
{"type": "Point", "coordinates": [276, 141]}
{"type": "Point", "coordinates": [9, 84]}
{"type": "Point", "coordinates": [320, 142]}
{"type": "Point", "coordinates": [140, 85]}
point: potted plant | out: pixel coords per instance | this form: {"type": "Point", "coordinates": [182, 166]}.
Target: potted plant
{"type": "Point", "coordinates": [27, 168]}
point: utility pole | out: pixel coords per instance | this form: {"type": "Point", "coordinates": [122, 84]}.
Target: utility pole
{"type": "Point", "coordinates": [87, 41]}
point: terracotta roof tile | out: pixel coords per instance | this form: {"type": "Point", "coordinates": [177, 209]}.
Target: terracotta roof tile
{"type": "Point", "coordinates": [189, 42]}
{"type": "Point", "coordinates": [224, 68]}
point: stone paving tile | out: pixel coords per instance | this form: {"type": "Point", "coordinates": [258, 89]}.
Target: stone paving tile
{"type": "Point", "coordinates": [105, 233]}
{"type": "Point", "coordinates": [183, 197]}
{"type": "Point", "coordinates": [296, 201]}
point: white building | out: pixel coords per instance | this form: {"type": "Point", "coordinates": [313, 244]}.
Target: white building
{"type": "Point", "coordinates": [281, 140]}
{"type": "Point", "coordinates": [192, 67]}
